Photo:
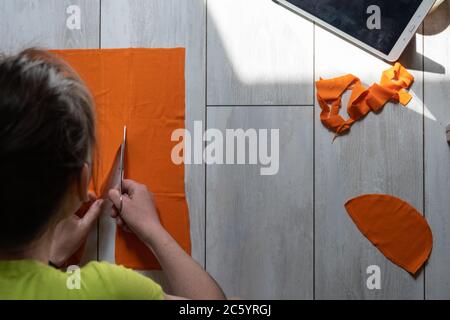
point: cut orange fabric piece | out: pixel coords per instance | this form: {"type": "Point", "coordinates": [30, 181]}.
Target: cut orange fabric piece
{"type": "Point", "coordinates": [398, 230]}
{"type": "Point", "coordinates": [143, 89]}
{"type": "Point", "coordinates": [392, 87]}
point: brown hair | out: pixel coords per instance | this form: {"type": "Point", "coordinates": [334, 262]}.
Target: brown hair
{"type": "Point", "coordinates": [46, 134]}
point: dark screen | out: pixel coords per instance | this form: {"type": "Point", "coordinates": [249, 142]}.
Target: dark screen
{"type": "Point", "coordinates": [351, 17]}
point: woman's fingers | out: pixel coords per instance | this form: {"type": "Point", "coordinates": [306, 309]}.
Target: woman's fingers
{"type": "Point", "coordinates": [122, 224]}
{"type": "Point", "coordinates": [92, 214]}
{"type": "Point", "coordinates": [129, 187]}
{"type": "Point", "coordinates": [114, 212]}
{"type": "Point", "coordinates": [92, 196]}
{"type": "Point", "coordinates": [114, 196]}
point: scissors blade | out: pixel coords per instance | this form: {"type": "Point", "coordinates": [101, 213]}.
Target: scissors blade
{"type": "Point", "coordinates": [122, 159]}
{"type": "Point", "coordinates": [116, 173]}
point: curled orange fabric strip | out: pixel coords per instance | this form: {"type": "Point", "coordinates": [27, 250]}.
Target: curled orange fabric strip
{"type": "Point", "coordinates": [392, 87]}
{"type": "Point", "coordinates": [398, 230]}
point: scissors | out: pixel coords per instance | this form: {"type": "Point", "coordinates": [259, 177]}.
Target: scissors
{"type": "Point", "coordinates": [122, 166]}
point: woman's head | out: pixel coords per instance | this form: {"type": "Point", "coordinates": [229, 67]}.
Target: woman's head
{"type": "Point", "coordinates": [46, 137]}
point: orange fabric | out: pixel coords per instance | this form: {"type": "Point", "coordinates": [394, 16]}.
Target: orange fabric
{"type": "Point", "coordinates": [143, 89]}
{"type": "Point", "coordinates": [392, 87]}
{"type": "Point", "coordinates": [398, 230]}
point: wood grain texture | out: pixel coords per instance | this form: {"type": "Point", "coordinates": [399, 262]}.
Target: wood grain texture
{"type": "Point", "coordinates": [32, 23]}
{"type": "Point", "coordinates": [165, 23]}
{"type": "Point", "coordinates": [259, 236]}
{"type": "Point", "coordinates": [382, 154]}
{"type": "Point", "coordinates": [259, 228]}
{"type": "Point", "coordinates": [437, 151]}
{"type": "Point", "coordinates": [42, 23]}
{"type": "Point", "coordinates": [258, 54]}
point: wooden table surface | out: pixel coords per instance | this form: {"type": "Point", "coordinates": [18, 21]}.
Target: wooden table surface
{"type": "Point", "coordinates": [252, 64]}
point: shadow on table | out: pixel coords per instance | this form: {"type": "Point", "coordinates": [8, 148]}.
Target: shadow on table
{"type": "Point", "coordinates": [414, 60]}
{"type": "Point", "coordinates": [435, 23]}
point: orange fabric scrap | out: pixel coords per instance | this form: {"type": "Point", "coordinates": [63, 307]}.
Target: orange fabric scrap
{"type": "Point", "coordinates": [145, 90]}
{"type": "Point", "coordinates": [392, 87]}
{"type": "Point", "coordinates": [398, 230]}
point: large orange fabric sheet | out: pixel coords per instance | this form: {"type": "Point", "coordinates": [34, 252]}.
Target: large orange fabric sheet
{"type": "Point", "coordinates": [392, 87]}
{"type": "Point", "coordinates": [398, 230]}
{"type": "Point", "coordinates": [143, 89]}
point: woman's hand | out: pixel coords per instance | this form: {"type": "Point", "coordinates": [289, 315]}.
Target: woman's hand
{"type": "Point", "coordinates": [71, 232]}
{"type": "Point", "coordinates": [185, 276]}
{"type": "Point", "coordinates": [138, 214]}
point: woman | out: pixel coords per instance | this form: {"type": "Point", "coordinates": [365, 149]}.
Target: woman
{"type": "Point", "coordinates": [47, 134]}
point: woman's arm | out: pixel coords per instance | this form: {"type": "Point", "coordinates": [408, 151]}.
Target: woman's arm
{"type": "Point", "coordinates": [186, 277]}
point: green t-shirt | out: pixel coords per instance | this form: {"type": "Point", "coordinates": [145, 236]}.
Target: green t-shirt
{"type": "Point", "coordinates": [30, 279]}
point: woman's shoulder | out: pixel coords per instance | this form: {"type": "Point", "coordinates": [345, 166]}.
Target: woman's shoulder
{"type": "Point", "coordinates": [115, 281]}
{"type": "Point", "coordinates": [103, 267]}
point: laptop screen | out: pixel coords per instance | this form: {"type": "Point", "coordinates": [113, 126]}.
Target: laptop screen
{"type": "Point", "coordinates": [378, 23]}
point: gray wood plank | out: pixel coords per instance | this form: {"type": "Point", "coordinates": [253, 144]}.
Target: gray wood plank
{"type": "Point", "coordinates": [166, 23]}
{"type": "Point", "coordinates": [259, 228]}
{"type": "Point", "coordinates": [437, 152]}
{"type": "Point", "coordinates": [32, 23]}
{"type": "Point", "coordinates": [258, 54]}
{"type": "Point", "coordinates": [42, 23]}
{"type": "Point", "coordinates": [381, 154]}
